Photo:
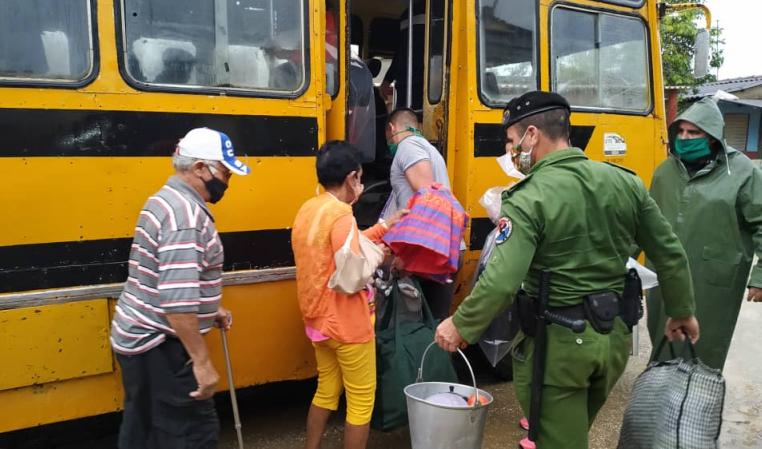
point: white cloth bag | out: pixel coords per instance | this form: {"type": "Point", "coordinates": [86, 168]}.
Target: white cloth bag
{"type": "Point", "coordinates": [353, 271]}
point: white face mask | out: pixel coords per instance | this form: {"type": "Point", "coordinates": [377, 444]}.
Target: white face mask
{"type": "Point", "coordinates": [358, 189]}
{"type": "Point", "coordinates": [525, 157]}
{"type": "Point", "coordinates": [506, 163]}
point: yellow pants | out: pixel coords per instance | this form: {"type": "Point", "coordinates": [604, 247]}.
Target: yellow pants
{"type": "Point", "coordinates": [346, 367]}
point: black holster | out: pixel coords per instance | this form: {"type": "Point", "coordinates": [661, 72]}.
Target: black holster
{"type": "Point", "coordinates": [632, 299]}
{"type": "Point", "coordinates": [525, 310]}
{"type": "Point", "coordinates": [601, 310]}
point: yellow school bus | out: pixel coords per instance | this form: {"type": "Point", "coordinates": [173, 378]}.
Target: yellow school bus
{"type": "Point", "coordinates": [94, 94]}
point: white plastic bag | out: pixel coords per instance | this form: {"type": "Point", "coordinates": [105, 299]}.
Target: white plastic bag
{"type": "Point", "coordinates": [447, 400]}
{"type": "Point", "coordinates": [353, 271]}
{"type": "Point", "coordinates": [492, 200]}
{"type": "Point", "coordinates": [647, 277]}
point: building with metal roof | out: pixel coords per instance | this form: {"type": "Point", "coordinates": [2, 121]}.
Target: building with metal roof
{"type": "Point", "coordinates": [740, 100]}
{"type": "Point", "coordinates": [747, 87]}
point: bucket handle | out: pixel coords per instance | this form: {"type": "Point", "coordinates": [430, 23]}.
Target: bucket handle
{"type": "Point", "coordinates": [470, 370]}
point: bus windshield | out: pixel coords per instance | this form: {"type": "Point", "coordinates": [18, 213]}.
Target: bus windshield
{"type": "Point", "coordinates": [507, 49]}
{"type": "Point", "coordinates": [238, 44]}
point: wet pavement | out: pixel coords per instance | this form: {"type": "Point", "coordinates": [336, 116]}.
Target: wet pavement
{"type": "Point", "coordinates": [742, 424]}
{"type": "Point", "coordinates": [273, 415]}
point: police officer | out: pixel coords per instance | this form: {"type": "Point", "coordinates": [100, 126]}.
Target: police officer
{"type": "Point", "coordinates": [578, 219]}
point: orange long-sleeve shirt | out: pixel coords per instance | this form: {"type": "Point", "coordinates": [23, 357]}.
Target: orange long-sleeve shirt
{"type": "Point", "coordinates": [321, 227]}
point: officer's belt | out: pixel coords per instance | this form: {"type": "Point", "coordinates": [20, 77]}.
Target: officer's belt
{"type": "Point", "coordinates": [575, 312]}
{"type": "Point", "coordinates": [599, 309]}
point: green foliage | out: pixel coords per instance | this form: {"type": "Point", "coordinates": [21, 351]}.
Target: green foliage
{"type": "Point", "coordinates": [678, 33]}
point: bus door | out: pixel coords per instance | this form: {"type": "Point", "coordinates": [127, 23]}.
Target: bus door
{"type": "Point", "coordinates": [436, 79]}
{"type": "Point", "coordinates": [336, 68]}
{"type": "Point", "coordinates": [94, 96]}
{"type": "Point", "coordinates": [403, 72]}
{"type": "Point", "coordinates": [372, 44]}
{"type": "Point", "coordinates": [494, 57]}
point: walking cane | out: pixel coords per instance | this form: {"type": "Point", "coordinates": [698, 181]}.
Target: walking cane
{"type": "Point", "coordinates": [231, 386]}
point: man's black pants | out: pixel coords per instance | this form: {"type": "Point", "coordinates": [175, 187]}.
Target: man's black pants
{"type": "Point", "coordinates": [158, 411]}
{"type": "Point", "coordinates": [439, 296]}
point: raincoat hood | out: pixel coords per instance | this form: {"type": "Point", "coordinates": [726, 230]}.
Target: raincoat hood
{"type": "Point", "coordinates": [704, 114]}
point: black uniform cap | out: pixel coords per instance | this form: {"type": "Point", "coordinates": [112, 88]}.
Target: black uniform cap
{"type": "Point", "coordinates": [532, 103]}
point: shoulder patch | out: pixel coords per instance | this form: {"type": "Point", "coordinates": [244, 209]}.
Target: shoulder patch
{"type": "Point", "coordinates": [621, 168]}
{"type": "Point", "coordinates": [504, 230]}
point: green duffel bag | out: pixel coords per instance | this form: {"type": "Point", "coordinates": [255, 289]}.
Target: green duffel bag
{"type": "Point", "coordinates": [399, 349]}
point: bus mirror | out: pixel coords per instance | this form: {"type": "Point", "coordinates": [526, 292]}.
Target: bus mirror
{"type": "Point", "coordinates": [701, 54]}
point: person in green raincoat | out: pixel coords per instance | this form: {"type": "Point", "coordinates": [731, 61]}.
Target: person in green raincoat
{"type": "Point", "coordinates": [578, 219]}
{"type": "Point", "coordinates": [711, 194]}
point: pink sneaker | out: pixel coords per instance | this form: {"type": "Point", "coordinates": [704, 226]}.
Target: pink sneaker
{"type": "Point", "coordinates": [524, 423]}
{"type": "Point", "coordinates": [527, 444]}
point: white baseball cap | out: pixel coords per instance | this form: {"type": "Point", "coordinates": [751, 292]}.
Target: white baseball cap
{"type": "Point", "coordinates": [205, 143]}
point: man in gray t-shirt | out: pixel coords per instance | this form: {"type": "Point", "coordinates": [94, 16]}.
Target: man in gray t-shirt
{"type": "Point", "coordinates": [417, 164]}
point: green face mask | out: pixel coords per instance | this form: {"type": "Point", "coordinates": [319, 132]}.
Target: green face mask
{"type": "Point", "coordinates": [393, 146]}
{"type": "Point", "coordinates": [691, 150]}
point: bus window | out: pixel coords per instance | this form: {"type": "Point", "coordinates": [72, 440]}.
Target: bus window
{"type": "Point", "coordinates": [436, 49]}
{"type": "Point", "coordinates": [600, 60]}
{"type": "Point", "coordinates": [225, 44]}
{"type": "Point", "coordinates": [45, 41]}
{"type": "Point", "coordinates": [631, 3]}
{"type": "Point", "coordinates": [332, 73]}
{"type": "Point", "coordinates": [507, 49]}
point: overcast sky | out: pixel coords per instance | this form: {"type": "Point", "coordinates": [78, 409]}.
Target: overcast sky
{"type": "Point", "coordinates": [741, 21]}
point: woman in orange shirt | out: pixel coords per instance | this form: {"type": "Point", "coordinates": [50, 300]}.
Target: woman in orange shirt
{"type": "Point", "coordinates": [339, 325]}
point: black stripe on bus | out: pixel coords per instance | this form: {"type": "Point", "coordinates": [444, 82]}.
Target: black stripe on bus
{"type": "Point", "coordinates": [59, 132]}
{"type": "Point", "coordinates": [90, 262]}
{"type": "Point", "coordinates": [580, 136]}
{"type": "Point", "coordinates": [480, 227]}
{"type": "Point", "coordinates": [489, 141]}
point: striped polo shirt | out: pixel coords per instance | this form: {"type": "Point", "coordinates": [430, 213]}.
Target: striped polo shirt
{"type": "Point", "coordinates": [175, 267]}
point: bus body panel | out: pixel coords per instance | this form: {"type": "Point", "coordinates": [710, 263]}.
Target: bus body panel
{"type": "Point", "coordinates": [85, 160]}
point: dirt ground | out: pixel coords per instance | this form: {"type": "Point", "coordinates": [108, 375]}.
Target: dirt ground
{"type": "Point", "coordinates": [275, 422]}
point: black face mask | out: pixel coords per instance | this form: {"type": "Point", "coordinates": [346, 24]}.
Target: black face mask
{"type": "Point", "coordinates": [215, 187]}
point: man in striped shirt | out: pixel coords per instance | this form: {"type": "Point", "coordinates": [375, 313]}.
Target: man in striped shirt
{"type": "Point", "coordinates": [171, 298]}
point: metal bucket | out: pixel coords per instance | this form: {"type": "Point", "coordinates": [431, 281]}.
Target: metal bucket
{"type": "Point", "coordinates": [435, 426]}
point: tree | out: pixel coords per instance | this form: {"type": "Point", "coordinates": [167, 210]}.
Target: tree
{"type": "Point", "coordinates": [678, 33]}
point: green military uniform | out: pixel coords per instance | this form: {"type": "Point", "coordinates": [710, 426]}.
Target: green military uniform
{"type": "Point", "coordinates": [579, 219]}
{"type": "Point", "coordinates": [716, 212]}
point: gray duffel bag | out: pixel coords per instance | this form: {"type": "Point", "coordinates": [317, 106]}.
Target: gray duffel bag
{"type": "Point", "coordinates": [675, 404]}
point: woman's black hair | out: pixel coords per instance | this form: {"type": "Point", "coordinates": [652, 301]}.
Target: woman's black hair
{"type": "Point", "coordinates": [335, 160]}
